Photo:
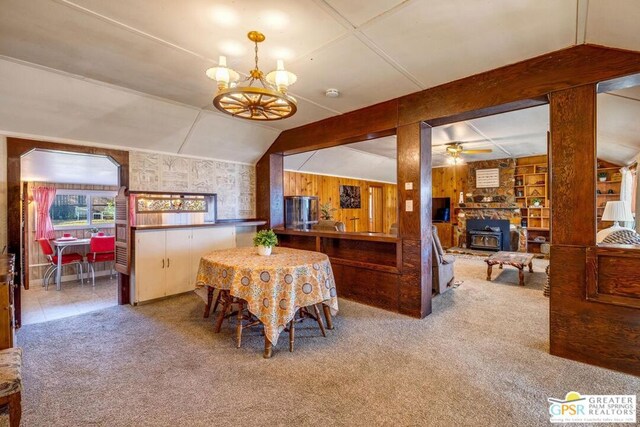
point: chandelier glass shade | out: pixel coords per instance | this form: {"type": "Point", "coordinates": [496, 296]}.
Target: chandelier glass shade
{"type": "Point", "coordinates": [267, 100]}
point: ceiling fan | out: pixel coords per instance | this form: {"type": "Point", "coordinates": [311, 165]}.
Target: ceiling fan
{"type": "Point", "coordinates": [454, 149]}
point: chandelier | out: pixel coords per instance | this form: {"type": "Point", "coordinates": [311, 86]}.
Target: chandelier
{"type": "Point", "coordinates": [243, 99]}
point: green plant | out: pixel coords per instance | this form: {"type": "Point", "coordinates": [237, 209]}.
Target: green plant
{"type": "Point", "coordinates": [326, 211]}
{"type": "Point", "coordinates": [602, 175]}
{"type": "Point", "coordinates": [538, 201]}
{"type": "Point", "coordinates": [94, 229]}
{"type": "Point", "coordinates": [265, 238]}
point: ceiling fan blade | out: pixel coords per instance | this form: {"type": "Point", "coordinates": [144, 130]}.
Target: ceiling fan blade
{"type": "Point", "coordinates": [488, 150]}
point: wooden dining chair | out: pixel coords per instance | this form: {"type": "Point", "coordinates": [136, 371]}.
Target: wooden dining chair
{"type": "Point", "coordinates": [228, 301]}
{"type": "Point", "coordinates": [303, 314]}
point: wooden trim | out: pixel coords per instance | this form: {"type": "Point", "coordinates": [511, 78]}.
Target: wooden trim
{"type": "Point", "coordinates": [365, 265]}
{"type": "Point", "coordinates": [594, 254]}
{"type": "Point", "coordinates": [370, 237]}
{"type": "Point", "coordinates": [16, 148]}
{"type": "Point", "coordinates": [591, 272]}
{"type": "Point", "coordinates": [24, 258]}
{"type": "Point", "coordinates": [173, 193]}
{"type": "Point", "coordinates": [371, 122]}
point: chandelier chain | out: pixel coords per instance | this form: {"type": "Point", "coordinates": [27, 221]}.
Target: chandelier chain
{"type": "Point", "coordinates": [256, 57]}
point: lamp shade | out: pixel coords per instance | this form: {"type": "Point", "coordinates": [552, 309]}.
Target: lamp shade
{"type": "Point", "coordinates": [617, 211]}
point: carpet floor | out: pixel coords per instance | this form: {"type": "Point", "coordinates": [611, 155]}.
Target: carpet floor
{"type": "Point", "coordinates": [481, 358]}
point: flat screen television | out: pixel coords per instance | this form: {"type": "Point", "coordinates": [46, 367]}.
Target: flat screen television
{"type": "Point", "coordinates": [440, 209]}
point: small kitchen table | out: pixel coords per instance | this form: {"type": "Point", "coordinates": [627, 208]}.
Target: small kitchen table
{"type": "Point", "coordinates": [516, 259]}
{"type": "Point", "coordinates": [61, 245]}
{"type": "Point", "coordinates": [275, 287]}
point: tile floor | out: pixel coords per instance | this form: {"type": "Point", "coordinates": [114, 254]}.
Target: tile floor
{"type": "Point", "coordinates": [74, 298]}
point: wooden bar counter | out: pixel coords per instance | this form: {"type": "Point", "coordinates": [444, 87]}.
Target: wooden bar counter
{"type": "Point", "coordinates": [366, 266]}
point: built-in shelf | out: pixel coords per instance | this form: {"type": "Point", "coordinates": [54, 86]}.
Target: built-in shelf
{"type": "Point", "coordinates": [611, 171]}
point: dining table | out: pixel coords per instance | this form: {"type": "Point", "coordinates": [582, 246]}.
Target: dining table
{"type": "Point", "coordinates": [61, 244]}
{"type": "Point", "coordinates": [274, 287]}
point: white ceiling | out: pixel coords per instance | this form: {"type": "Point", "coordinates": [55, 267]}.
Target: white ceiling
{"type": "Point", "coordinates": [68, 168]}
{"type": "Point", "coordinates": [130, 73]}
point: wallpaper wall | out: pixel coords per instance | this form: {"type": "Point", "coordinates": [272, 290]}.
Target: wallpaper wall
{"type": "Point", "coordinates": [234, 183]}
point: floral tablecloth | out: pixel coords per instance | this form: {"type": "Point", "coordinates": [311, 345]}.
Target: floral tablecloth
{"type": "Point", "coordinates": [274, 286]}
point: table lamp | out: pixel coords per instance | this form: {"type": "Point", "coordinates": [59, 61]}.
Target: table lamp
{"type": "Point", "coordinates": [617, 211]}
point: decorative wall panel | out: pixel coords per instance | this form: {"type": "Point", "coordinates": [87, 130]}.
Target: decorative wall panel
{"type": "Point", "coordinates": [234, 183]}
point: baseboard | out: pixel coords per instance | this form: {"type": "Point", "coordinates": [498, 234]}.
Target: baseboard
{"type": "Point", "coordinates": [70, 277]}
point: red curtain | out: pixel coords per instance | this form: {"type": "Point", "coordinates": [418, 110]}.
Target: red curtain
{"type": "Point", "coordinates": [44, 198]}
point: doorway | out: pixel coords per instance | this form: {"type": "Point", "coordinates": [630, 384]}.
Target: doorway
{"type": "Point", "coordinates": [376, 209]}
{"type": "Point", "coordinates": [68, 202]}
{"type": "Point", "coordinates": [16, 149]}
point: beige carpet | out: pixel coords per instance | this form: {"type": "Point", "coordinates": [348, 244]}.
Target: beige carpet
{"type": "Point", "coordinates": [481, 359]}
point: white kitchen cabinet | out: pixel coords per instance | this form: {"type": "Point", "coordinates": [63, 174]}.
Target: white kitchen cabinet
{"type": "Point", "coordinates": [166, 261]}
{"type": "Point", "coordinates": [206, 240]}
{"type": "Point", "coordinates": [150, 265]}
{"type": "Point", "coordinates": [178, 254]}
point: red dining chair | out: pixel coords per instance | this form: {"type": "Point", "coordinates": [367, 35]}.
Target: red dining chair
{"type": "Point", "coordinates": [101, 249]}
{"type": "Point", "coordinates": [67, 259]}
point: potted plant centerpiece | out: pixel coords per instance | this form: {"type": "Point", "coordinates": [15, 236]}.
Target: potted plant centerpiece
{"type": "Point", "coordinates": [94, 231]}
{"type": "Point", "coordinates": [602, 176]}
{"type": "Point", "coordinates": [536, 202]}
{"type": "Point", "coordinates": [265, 240]}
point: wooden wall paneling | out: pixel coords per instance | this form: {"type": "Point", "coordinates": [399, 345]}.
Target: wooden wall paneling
{"type": "Point", "coordinates": [16, 147]}
{"type": "Point", "coordinates": [327, 189]}
{"type": "Point", "coordinates": [587, 331]}
{"type": "Point", "coordinates": [374, 288]}
{"type": "Point", "coordinates": [616, 276]}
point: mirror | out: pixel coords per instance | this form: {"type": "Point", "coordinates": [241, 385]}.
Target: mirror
{"type": "Point", "coordinates": [618, 151]}
{"type": "Point", "coordinates": [355, 187]}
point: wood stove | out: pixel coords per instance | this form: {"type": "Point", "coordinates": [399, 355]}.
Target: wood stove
{"type": "Point", "coordinates": [488, 234]}
{"type": "Point", "coordinates": [487, 239]}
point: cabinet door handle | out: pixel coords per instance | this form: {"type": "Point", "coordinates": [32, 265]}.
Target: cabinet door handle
{"type": "Point", "coordinates": [168, 261]}
{"type": "Point", "coordinates": [162, 262]}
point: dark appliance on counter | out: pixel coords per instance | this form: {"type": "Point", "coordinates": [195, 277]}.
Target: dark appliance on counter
{"type": "Point", "coordinates": [300, 212]}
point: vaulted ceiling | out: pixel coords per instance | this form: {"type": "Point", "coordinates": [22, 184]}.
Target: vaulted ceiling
{"type": "Point", "coordinates": [130, 73]}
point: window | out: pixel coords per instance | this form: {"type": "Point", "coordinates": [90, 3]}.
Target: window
{"type": "Point", "coordinates": [83, 208]}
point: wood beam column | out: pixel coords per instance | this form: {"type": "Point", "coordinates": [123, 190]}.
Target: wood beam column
{"type": "Point", "coordinates": [414, 222]}
{"type": "Point", "coordinates": [270, 189]}
{"type": "Point", "coordinates": [581, 329]}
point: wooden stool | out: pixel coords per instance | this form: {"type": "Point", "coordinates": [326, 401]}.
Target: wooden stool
{"type": "Point", "coordinates": [207, 309]}
{"type": "Point", "coordinates": [304, 313]}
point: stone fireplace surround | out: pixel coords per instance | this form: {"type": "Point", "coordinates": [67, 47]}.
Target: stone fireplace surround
{"type": "Point", "coordinates": [502, 205]}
